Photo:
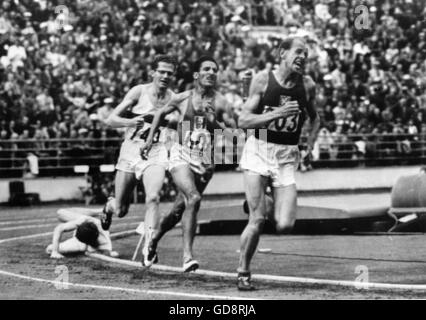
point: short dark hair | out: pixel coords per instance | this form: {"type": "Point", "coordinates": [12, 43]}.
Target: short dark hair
{"type": "Point", "coordinates": [88, 233]}
{"type": "Point", "coordinates": [163, 58]}
{"type": "Point", "coordinates": [287, 43]}
{"type": "Point", "coordinates": [199, 62]}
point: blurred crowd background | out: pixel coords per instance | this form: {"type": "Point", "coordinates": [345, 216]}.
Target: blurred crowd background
{"type": "Point", "coordinates": [63, 72]}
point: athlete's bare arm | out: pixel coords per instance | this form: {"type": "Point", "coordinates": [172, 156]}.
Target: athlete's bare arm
{"type": "Point", "coordinates": [313, 115]}
{"type": "Point", "coordinates": [248, 119]}
{"type": "Point", "coordinates": [115, 119]}
{"type": "Point", "coordinates": [219, 110]}
{"type": "Point", "coordinates": [174, 105]}
{"type": "Point", "coordinates": [222, 106]}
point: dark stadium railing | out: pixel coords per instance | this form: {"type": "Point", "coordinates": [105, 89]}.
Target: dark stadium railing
{"type": "Point", "coordinates": [57, 157]}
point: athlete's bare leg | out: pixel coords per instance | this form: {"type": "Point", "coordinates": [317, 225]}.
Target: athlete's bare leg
{"type": "Point", "coordinates": [285, 208]}
{"type": "Point", "coordinates": [171, 219]}
{"type": "Point", "coordinates": [269, 208]}
{"type": "Point", "coordinates": [125, 183]}
{"type": "Point", "coordinates": [269, 203]}
{"type": "Point", "coordinates": [69, 214]}
{"type": "Point", "coordinates": [184, 179]}
{"type": "Point", "coordinates": [255, 195]}
{"type": "Point", "coordinates": [153, 180]}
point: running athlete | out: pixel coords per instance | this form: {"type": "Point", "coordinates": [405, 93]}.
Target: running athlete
{"type": "Point", "coordinates": [143, 101]}
{"type": "Point", "coordinates": [279, 102]}
{"type": "Point", "coordinates": [91, 234]}
{"type": "Point", "coordinates": [191, 162]}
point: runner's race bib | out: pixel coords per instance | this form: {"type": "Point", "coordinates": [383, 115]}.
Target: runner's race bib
{"type": "Point", "coordinates": [287, 124]}
{"type": "Point", "coordinates": [197, 142]}
{"type": "Point", "coordinates": [141, 134]}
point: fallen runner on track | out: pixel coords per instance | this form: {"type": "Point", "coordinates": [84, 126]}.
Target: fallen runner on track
{"type": "Point", "coordinates": [90, 228]}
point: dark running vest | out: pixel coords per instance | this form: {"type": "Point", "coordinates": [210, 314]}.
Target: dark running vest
{"type": "Point", "coordinates": [283, 130]}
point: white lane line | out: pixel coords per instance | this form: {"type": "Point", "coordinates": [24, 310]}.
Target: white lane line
{"type": "Point", "coordinates": [211, 273]}
{"type": "Point", "coordinates": [34, 226]}
{"type": "Point", "coordinates": [6, 223]}
{"type": "Point", "coordinates": [18, 215]}
{"type": "Point", "coordinates": [270, 278]}
{"type": "Point", "coordinates": [115, 235]}
{"type": "Point", "coordinates": [23, 221]}
{"type": "Point", "coordinates": [122, 234]}
{"type": "Point", "coordinates": [26, 237]}
{"type": "Point", "coordinates": [231, 204]}
{"type": "Point", "coordinates": [130, 232]}
{"type": "Point", "coordinates": [110, 288]}
{"type": "Point", "coordinates": [131, 216]}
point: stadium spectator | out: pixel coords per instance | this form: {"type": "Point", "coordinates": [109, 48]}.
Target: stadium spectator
{"type": "Point", "coordinates": [60, 73]}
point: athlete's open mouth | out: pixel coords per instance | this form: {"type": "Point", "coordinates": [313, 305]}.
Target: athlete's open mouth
{"type": "Point", "coordinates": [300, 63]}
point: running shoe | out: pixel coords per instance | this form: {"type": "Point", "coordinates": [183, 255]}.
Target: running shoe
{"type": "Point", "coordinates": [149, 257]}
{"type": "Point", "coordinates": [190, 265]}
{"type": "Point", "coordinates": [149, 254]}
{"type": "Point", "coordinates": [107, 212]}
{"type": "Point", "coordinates": [244, 282]}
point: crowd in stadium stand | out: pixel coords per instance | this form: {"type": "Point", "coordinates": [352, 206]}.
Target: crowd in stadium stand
{"type": "Point", "coordinates": [63, 72]}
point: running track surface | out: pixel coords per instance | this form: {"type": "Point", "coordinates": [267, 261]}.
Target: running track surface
{"type": "Point", "coordinates": [387, 259]}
